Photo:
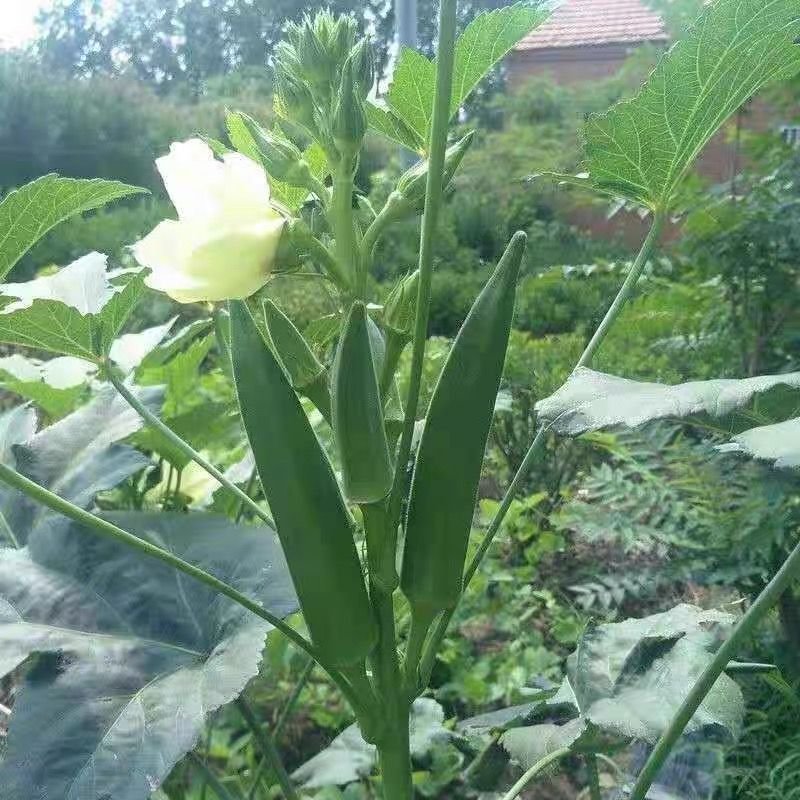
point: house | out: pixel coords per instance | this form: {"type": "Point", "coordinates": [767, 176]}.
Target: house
{"type": "Point", "coordinates": [586, 40]}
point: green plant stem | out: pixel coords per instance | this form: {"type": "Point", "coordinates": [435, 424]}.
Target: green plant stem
{"type": "Point", "coordinates": [626, 291]}
{"type": "Point", "coordinates": [420, 624]}
{"type": "Point", "coordinates": [341, 218]}
{"type": "Point", "coordinates": [745, 627]}
{"type": "Point", "coordinates": [594, 777]}
{"type": "Point", "coordinates": [517, 789]}
{"type": "Point", "coordinates": [268, 749]}
{"type": "Point", "coordinates": [211, 779]}
{"type": "Point", "coordinates": [154, 422]}
{"type": "Point", "coordinates": [395, 344]}
{"type": "Point", "coordinates": [392, 210]}
{"type": "Point", "coordinates": [327, 261]}
{"type": "Point", "coordinates": [107, 529]}
{"type": "Point", "coordinates": [433, 201]}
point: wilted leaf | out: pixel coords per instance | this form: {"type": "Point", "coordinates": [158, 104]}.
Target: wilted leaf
{"type": "Point", "coordinates": [779, 443]}
{"type": "Point", "coordinates": [642, 147]}
{"type": "Point", "coordinates": [135, 655]}
{"type": "Point", "coordinates": [78, 311]}
{"type": "Point", "coordinates": [591, 400]}
{"type": "Point", "coordinates": [29, 212]}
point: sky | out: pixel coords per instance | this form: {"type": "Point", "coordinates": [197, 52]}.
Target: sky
{"type": "Point", "coordinates": [17, 17]}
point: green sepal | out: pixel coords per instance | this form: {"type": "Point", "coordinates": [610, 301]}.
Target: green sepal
{"type": "Point", "coordinates": [400, 309]}
{"type": "Point", "coordinates": [357, 414]}
{"type": "Point", "coordinates": [453, 443]}
{"type": "Point", "coordinates": [314, 526]}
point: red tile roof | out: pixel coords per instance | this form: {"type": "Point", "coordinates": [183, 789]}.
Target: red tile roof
{"type": "Point", "coordinates": [591, 22]}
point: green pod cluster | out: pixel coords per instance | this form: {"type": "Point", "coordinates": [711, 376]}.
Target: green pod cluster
{"type": "Point", "coordinates": [306, 374]}
{"type": "Point", "coordinates": [357, 413]}
{"type": "Point", "coordinates": [314, 526]}
{"type": "Point", "coordinates": [448, 466]}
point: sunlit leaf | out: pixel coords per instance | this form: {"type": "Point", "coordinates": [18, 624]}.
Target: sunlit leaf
{"type": "Point", "coordinates": [77, 311]}
{"type": "Point", "coordinates": [778, 443]}
{"type": "Point", "coordinates": [29, 212]}
{"type": "Point", "coordinates": [383, 120]}
{"type": "Point", "coordinates": [591, 400]}
{"type": "Point", "coordinates": [129, 350]}
{"type": "Point", "coordinates": [55, 385]}
{"type": "Point", "coordinates": [642, 147]}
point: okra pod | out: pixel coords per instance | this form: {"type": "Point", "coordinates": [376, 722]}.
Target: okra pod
{"type": "Point", "coordinates": [357, 413]}
{"type": "Point", "coordinates": [448, 465]}
{"type": "Point", "coordinates": [314, 526]}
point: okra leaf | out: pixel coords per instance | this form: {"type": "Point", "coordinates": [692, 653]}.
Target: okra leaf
{"type": "Point", "coordinates": [77, 311]}
{"type": "Point", "coordinates": [627, 680]}
{"type": "Point", "coordinates": [485, 41]}
{"type": "Point", "coordinates": [410, 94]}
{"type": "Point", "coordinates": [592, 400]}
{"type": "Point", "coordinates": [55, 386]}
{"type": "Point", "coordinates": [642, 147]}
{"type": "Point", "coordinates": [386, 122]}
{"type": "Point", "coordinates": [29, 212]}
{"type": "Point", "coordinates": [76, 458]}
{"type": "Point", "coordinates": [778, 443]}
{"type": "Point", "coordinates": [129, 350]}
{"type": "Point", "coordinates": [131, 655]}
{"type": "Point", "coordinates": [482, 44]}
{"type": "Point", "coordinates": [349, 758]}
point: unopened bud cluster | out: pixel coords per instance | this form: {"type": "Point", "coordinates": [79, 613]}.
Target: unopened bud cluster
{"type": "Point", "coordinates": [323, 74]}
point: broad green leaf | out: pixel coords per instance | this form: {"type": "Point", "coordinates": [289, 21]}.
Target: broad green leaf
{"type": "Point", "coordinates": [483, 44]}
{"type": "Point", "coordinates": [29, 212]}
{"type": "Point", "coordinates": [591, 400]}
{"type": "Point", "coordinates": [77, 311]}
{"type": "Point", "coordinates": [410, 94]}
{"type": "Point", "coordinates": [626, 681]}
{"type": "Point", "coordinates": [55, 386]}
{"type": "Point", "coordinates": [76, 458]}
{"type": "Point", "coordinates": [348, 757]}
{"type": "Point", "coordinates": [778, 443]}
{"type": "Point", "coordinates": [383, 120]}
{"type": "Point", "coordinates": [485, 41]}
{"type": "Point", "coordinates": [164, 351]}
{"type": "Point", "coordinates": [642, 147]}
{"type": "Point", "coordinates": [133, 655]}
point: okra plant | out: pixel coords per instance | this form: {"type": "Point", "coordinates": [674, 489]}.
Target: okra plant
{"type": "Point", "coordinates": [138, 624]}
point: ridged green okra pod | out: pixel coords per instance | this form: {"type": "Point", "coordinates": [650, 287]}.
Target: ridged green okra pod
{"type": "Point", "coordinates": [314, 526]}
{"type": "Point", "coordinates": [307, 375]}
{"type": "Point", "coordinates": [450, 455]}
{"type": "Point", "coordinates": [357, 413]}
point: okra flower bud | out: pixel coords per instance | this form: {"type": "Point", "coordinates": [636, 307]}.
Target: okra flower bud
{"type": "Point", "coordinates": [349, 117]}
{"type": "Point", "coordinates": [413, 182]}
{"type": "Point", "coordinates": [400, 309]}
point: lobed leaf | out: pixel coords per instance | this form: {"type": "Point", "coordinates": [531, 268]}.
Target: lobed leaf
{"type": "Point", "coordinates": [642, 147]}
{"type": "Point", "coordinates": [29, 212]}
{"type": "Point", "coordinates": [410, 94]}
{"type": "Point", "coordinates": [592, 400]}
{"type": "Point", "coordinates": [485, 41]}
{"type": "Point", "coordinates": [133, 654]}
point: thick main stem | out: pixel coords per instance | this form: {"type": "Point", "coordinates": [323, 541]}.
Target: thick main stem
{"type": "Point", "coordinates": [395, 760]}
{"type": "Point", "coordinates": [746, 626]}
{"type": "Point", "coordinates": [433, 201]}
